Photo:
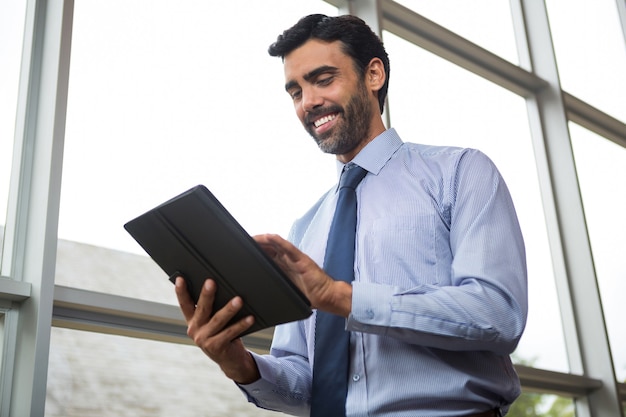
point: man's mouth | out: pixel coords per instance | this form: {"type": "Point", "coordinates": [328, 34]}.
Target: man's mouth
{"type": "Point", "coordinates": [323, 120]}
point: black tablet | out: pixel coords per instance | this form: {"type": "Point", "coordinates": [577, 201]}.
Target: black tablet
{"type": "Point", "coordinates": [194, 236]}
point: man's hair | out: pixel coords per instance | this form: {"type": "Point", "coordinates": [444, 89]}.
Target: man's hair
{"type": "Point", "coordinates": [358, 41]}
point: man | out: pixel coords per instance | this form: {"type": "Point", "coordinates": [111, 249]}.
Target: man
{"type": "Point", "coordinates": [439, 296]}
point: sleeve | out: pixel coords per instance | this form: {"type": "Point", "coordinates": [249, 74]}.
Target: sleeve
{"type": "Point", "coordinates": [485, 305]}
{"type": "Point", "coordinates": [285, 373]}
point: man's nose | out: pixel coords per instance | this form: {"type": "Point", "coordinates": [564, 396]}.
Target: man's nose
{"type": "Point", "coordinates": [311, 99]}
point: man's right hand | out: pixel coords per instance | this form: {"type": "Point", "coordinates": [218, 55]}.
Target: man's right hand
{"type": "Point", "coordinates": [208, 330]}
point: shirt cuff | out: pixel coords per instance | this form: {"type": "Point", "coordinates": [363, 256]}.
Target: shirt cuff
{"type": "Point", "coordinates": [371, 305]}
{"type": "Point", "coordinates": [259, 389]}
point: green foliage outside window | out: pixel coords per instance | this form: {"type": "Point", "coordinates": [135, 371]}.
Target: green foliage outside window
{"type": "Point", "coordinates": [531, 404]}
{"type": "Point", "coordinates": [542, 405]}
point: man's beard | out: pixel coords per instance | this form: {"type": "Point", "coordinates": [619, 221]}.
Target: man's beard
{"type": "Point", "coordinates": [352, 130]}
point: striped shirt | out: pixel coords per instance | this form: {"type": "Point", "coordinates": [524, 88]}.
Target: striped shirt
{"type": "Point", "coordinates": [439, 297]}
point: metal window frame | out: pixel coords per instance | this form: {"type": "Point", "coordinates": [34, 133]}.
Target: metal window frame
{"type": "Point", "coordinates": [29, 251]}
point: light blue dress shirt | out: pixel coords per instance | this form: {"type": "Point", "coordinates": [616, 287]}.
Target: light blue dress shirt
{"type": "Point", "coordinates": [439, 297]}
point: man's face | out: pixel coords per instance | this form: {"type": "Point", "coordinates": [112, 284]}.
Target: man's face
{"type": "Point", "coordinates": [330, 98]}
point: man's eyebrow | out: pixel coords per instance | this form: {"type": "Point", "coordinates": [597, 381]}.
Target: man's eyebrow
{"type": "Point", "coordinates": [319, 70]}
{"type": "Point", "coordinates": [312, 75]}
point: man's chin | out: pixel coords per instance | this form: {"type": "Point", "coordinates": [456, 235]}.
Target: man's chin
{"type": "Point", "coordinates": [335, 148]}
{"type": "Point", "coordinates": [326, 145]}
{"type": "Point", "coordinates": [322, 141]}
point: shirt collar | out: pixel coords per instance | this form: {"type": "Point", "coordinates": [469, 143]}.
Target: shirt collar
{"type": "Point", "coordinates": [375, 154]}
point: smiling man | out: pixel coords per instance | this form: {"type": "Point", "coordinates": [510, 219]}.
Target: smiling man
{"type": "Point", "coordinates": [334, 102]}
{"type": "Point", "coordinates": [419, 315]}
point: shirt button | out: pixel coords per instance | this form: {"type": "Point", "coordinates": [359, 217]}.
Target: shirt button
{"type": "Point", "coordinates": [356, 377]}
{"type": "Point", "coordinates": [370, 313]}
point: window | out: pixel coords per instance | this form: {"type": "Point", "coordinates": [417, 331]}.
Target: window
{"type": "Point", "coordinates": [138, 378]}
{"type": "Point", "coordinates": [591, 61]}
{"type": "Point", "coordinates": [601, 167]}
{"type": "Point", "coordinates": [486, 23]}
{"type": "Point", "coordinates": [11, 35]}
{"type": "Point", "coordinates": [154, 109]}
{"type": "Point", "coordinates": [159, 107]}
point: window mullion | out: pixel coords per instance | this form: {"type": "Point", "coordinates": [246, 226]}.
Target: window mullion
{"type": "Point", "coordinates": [34, 197]}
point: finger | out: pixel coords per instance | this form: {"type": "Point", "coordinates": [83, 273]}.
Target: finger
{"type": "Point", "coordinates": [269, 249]}
{"type": "Point", "coordinates": [270, 240]}
{"type": "Point", "coordinates": [233, 332]}
{"type": "Point", "coordinates": [204, 308]}
{"type": "Point", "coordinates": [218, 347]}
{"type": "Point", "coordinates": [283, 247]}
{"type": "Point", "coordinates": [223, 316]}
{"type": "Point", "coordinates": [184, 299]}
{"type": "Point", "coordinates": [274, 246]}
{"type": "Point", "coordinates": [265, 244]}
{"type": "Point", "coordinates": [217, 334]}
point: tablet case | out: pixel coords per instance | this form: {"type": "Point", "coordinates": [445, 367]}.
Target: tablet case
{"type": "Point", "coordinates": [194, 236]}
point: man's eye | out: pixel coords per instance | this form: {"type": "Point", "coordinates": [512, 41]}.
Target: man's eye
{"type": "Point", "coordinates": [325, 81]}
{"type": "Point", "coordinates": [295, 94]}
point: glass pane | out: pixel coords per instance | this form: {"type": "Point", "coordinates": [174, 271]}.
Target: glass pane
{"type": "Point", "coordinates": [101, 269]}
{"type": "Point", "coordinates": [486, 23]}
{"type": "Point", "coordinates": [435, 102]}
{"type": "Point", "coordinates": [590, 52]}
{"type": "Point", "coordinates": [11, 38]}
{"type": "Point", "coordinates": [97, 375]}
{"type": "Point", "coordinates": [532, 404]}
{"type": "Point", "coordinates": [601, 167]}
{"type": "Point", "coordinates": [170, 94]}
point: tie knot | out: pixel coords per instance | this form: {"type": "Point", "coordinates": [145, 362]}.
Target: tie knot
{"type": "Point", "coordinates": [351, 176]}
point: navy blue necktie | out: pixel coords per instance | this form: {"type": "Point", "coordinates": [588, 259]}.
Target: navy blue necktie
{"type": "Point", "coordinates": [332, 341]}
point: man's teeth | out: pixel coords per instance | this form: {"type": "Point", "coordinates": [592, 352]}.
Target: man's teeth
{"type": "Point", "coordinates": [324, 119]}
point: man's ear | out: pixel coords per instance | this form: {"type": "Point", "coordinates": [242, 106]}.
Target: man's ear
{"type": "Point", "coordinates": [375, 74]}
